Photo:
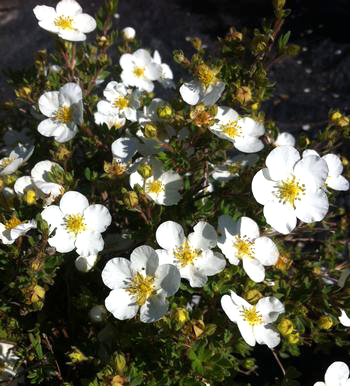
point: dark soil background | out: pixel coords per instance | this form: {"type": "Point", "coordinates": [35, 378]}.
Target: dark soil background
{"type": "Point", "coordinates": [307, 86]}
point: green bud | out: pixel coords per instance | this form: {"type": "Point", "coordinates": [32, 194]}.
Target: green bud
{"type": "Point", "coordinates": [130, 199]}
{"type": "Point", "coordinates": [120, 363]}
{"type": "Point", "coordinates": [150, 130]}
{"type": "Point", "coordinates": [145, 170]}
{"type": "Point", "coordinates": [285, 327]}
{"type": "Point", "coordinates": [165, 112]}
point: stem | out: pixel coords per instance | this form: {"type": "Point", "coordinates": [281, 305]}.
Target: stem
{"type": "Point", "coordinates": [278, 361]}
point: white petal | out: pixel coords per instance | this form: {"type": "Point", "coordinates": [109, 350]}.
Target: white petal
{"type": "Point", "coordinates": [196, 278]}
{"type": "Point", "coordinates": [310, 152]}
{"type": "Point", "coordinates": [204, 236]}
{"type": "Point", "coordinates": [311, 171]}
{"type": "Point", "coordinates": [49, 127]}
{"type": "Point", "coordinates": [270, 308]}
{"type": "Point", "coordinates": [170, 235]}
{"type": "Point", "coordinates": [165, 257]}
{"type": "Point", "coordinates": [89, 243]}
{"type": "Point", "coordinates": [84, 264]}
{"type": "Point", "coordinates": [281, 161]}
{"type": "Point", "coordinates": [73, 202]}
{"type": "Point", "coordinates": [22, 184]}
{"type": "Point", "coordinates": [254, 269]}
{"type": "Point", "coordinates": [72, 36]}
{"type": "Point", "coordinates": [285, 139]}
{"type": "Point", "coordinates": [337, 183]}
{"type": "Point", "coordinates": [42, 12]}
{"type": "Point", "coordinates": [68, 8]}
{"type": "Point", "coordinates": [238, 301]}
{"type": "Point", "coordinates": [344, 319]}
{"type": "Point", "coordinates": [212, 94]}
{"type": "Point", "coordinates": [63, 241]}
{"type": "Point", "coordinates": [48, 103]}
{"type": "Point", "coordinates": [266, 251]}
{"type": "Point", "coordinates": [190, 92]}
{"type": "Point", "coordinates": [263, 186]}
{"type": "Point", "coordinates": [335, 166]}
{"type": "Point", "coordinates": [248, 228]}
{"type": "Point", "coordinates": [210, 263]}
{"type": "Point", "coordinates": [53, 216]}
{"type": "Point", "coordinates": [266, 335]}
{"type": "Point", "coordinates": [65, 133]}
{"type": "Point", "coordinates": [153, 71]}
{"type": "Point", "coordinates": [125, 148]}
{"type": "Point", "coordinates": [70, 94]}
{"type": "Point", "coordinates": [41, 169]}
{"type": "Point", "coordinates": [84, 23]}
{"type": "Point", "coordinates": [154, 309]}
{"type": "Point", "coordinates": [247, 332]}
{"type": "Point", "coordinates": [251, 127]}
{"type": "Point", "coordinates": [167, 277]}
{"type": "Point", "coordinates": [248, 144]}
{"type": "Point", "coordinates": [280, 216]}
{"type": "Point", "coordinates": [117, 273]}
{"type": "Point", "coordinates": [336, 374]}
{"type": "Point", "coordinates": [142, 57]}
{"type": "Point", "coordinates": [97, 217]}
{"type": "Point", "coordinates": [121, 304]}
{"type": "Point", "coordinates": [320, 384]}
{"type": "Point", "coordinates": [312, 206]}
{"type": "Point", "coordinates": [230, 309]}
{"type": "Point", "coordinates": [144, 259]}
{"type": "Point", "coordinates": [226, 228]}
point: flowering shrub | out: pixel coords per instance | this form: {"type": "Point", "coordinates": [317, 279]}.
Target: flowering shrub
{"type": "Point", "coordinates": [155, 230]}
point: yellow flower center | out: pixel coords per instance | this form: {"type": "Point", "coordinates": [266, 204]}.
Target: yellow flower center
{"type": "Point", "coordinates": [290, 190]}
{"type": "Point", "coordinates": [244, 247]}
{"type": "Point", "coordinates": [64, 114]}
{"type": "Point", "coordinates": [121, 103]}
{"type": "Point", "coordinates": [252, 316]}
{"type": "Point", "coordinates": [155, 187]}
{"type": "Point", "coordinates": [64, 22]}
{"type": "Point", "coordinates": [142, 287]}
{"type": "Point", "coordinates": [5, 162]}
{"type": "Point", "coordinates": [206, 75]}
{"type": "Point", "coordinates": [12, 223]}
{"type": "Point", "coordinates": [75, 223]}
{"type": "Point", "coordinates": [232, 129]}
{"type": "Point", "coordinates": [186, 254]}
{"type": "Point", "coordinates": [139, 71]}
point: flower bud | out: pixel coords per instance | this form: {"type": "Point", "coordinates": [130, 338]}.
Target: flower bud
{"type": "Point", "coordinates": [145, 170]}
{"type": "Point", "coordinates": [249, 363]}
{"type": "Point", "coordinates": [182, 315]}
{"type": "Point", "coordinates": [325, 322]}
{"type": "Point", "coordinates": [76, 356]}
{"type": "Point", "coordinates": [38, 294]}
{"type": "Point", "coordinates": [198, 327]}
{"type": "Point", "coordinates": [285, 327]}
{"type": "Point", "coordinates": [150, 130]}
{"type": "Point", "coordinates": [279, 4]}
{"type": "Point", "coordinates": [165, 112]}
{"type": "Point", "coordinates": [293, 338]}
{"type": "Point", "coordinates": [128, 33]}
{"type": "Point", "coordinates": [253, 296]}
{"type": "Point", "coordinates": [130, 199]}
{"type": "Point", "coordinates": [244, 94]}
{"type": "Point", "coordinates": [120, 363]}
{"type": "Point", "coordinates": [30, 197]}
{"type": "Point", "coordinates": [179, 56]}
{"type": "Point", "coordinates": [283, 263]}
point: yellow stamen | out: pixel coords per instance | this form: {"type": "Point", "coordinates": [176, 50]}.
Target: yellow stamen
{"type": "Point", "coordinates": [155, 187]}
{"type": "Point", "coordinates": [232, 129]}
{"type": "Point", "coordinates": [244, 247]}
{"type": "Point", "coordinates": [64, 22]}
{"type": "Point", "coordinates": [64, 114]}
{"type": "Point", "coordinates": [139, 71]}
{"type": "Point", "coordinates": [186, 254]}
{"type": "Point", "coordinates": [206, 75]}
{"type": "Point", "coordinates": [252, 316]}
{"type": "Point", "coordinates": [5, 162]}
{"type": "Point", "coordinates": [142, 287]}
{"type": "Point", "coordinates": [75, 223]}
{"type": "Point", "coordinates": [121, 103]}
{"type": "Point", "coordinates": [290, 190]}
{"type": "Point", "coordinates": [12, 223]}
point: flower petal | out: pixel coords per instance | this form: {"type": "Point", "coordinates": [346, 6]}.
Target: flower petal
{"type": "Point", "coordinates": [125, 148]}
{"type": "Point", "coordinates": [281, 161]}
{"type": "Point", "coordinates": [170, 235]}
{"type": "Point", "coordinates": [121, 304]}
{"type": "Point", "coordinates": [63, 241]}
{"type": "Point", "coordinates": [117, 273]}
{"type": "Point", "coordinates": [312, 206]}
{"type": "Point", "coordinates": [248, 228]}
{"type": "Point", "coordinates": [167, 277]}
{"type": "Point", "coordinates": [210, 263]}
{"type": "Point", "coordinates": [204, 236]}
{"type": "Point", "coordinates": [248, 144]}
{"type": "Point", "coordinates": [311, 171]}
{"type": "Point", "coordinates": [212, 94]}
{"type": "Point", "coordinates": [144, 259]}
{"type": "Point", "coordinates": [266, 251]}
{"type": "Point", "coordinates": [190, 92]}
{"type": "Point", "coordinates": [48, 127]}
{"type": "Point", "coordinates": [48, 103]}
{"type": "Point", "coordinates": [344, 319]}
{"type": "Point", "coordinates": [73, 203]}
{"type": "Point", "coordinates": [254, 269]}
{"type": "Point", "coordinates": [230, 309]}
{"type": "Point", "coordinates": [337, 183]}
{"type": "Point", "coordinates": [84, 23]}
{"type": "Point", "coordinates": [53, 216]}
{"type": "Point", "coordinates": [247, 332]}
{"type": "Point", "coordinates": [270, 308]}
{"type": "Point", "coordinates": [84, 264]}
{"type": "Point", "coordinates": [68, 8]}
{"type": "Point", "coordinates": [263, 186]}
{"type": "Point", "coordinates": [89, 243]}
{"type": "Point", "coordinates": [154, 308]}
{"type": "Point", "coordinates": [97, 217]}
{"type": "Point", "coordinates": [336, 374]}
{"type": "Point", "coordinates": [266, 335]}
{"type": "Point", "coordinates": [280, 216]}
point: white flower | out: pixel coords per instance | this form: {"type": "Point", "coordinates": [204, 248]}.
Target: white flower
{"type": "Point", "coordinates": [162, 187]}
{"type": "Point", "coordinates": [67, 20]}
{"type": "Point", "coordinates": [140, 283]}
{"type": "Point", "coordinates": [166, 76]}
{"type": "Point", "coordinates": [193, 255]}
{"type": "Point", "coordinates": [8, 360]}
{"type": "Point", "coordinates": [122, 99]}
{"type": "Point", "coordinates": [128, 33]}
{"type": "Point", "coordinates": [39, 182]}
{"type": "Point", "coordinates": [107, 114]}
{"type": "Point", "coordinates": [337, 374]}
{"type": "Point", "coordinates": [231, 167]}
{"type": "Point", "coordinates": [124, 148]}
{"type": "Point", "coordinates": [285, 139]}
{"type": "Point", "coordinates": [85, 263]}
{"type": "Point", "coordinates": [77, 224]}
{"type": "Point", "coordinates": [64, 109]}
{"type": "Point", "coordinates": [139, 70]}
{"type": "Point", "coordinates": [14, 228]}
{"type": "Point", "coordinates": [206, 89]}
{"type": "Point", "coordinates": [241, 240]}
{"type": "Point", "coordinates": [18, 156]}
{"type": "Point", "coordinates": [254, 322]}
{"type": "Point", "coordinates": [344, 319]}
{"type": "Point", "coordinates": [334, 179]}
{"type": "Point", "coordinates": [290, 188]}
{"type": "Point", "coordinates": [244, 132]}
